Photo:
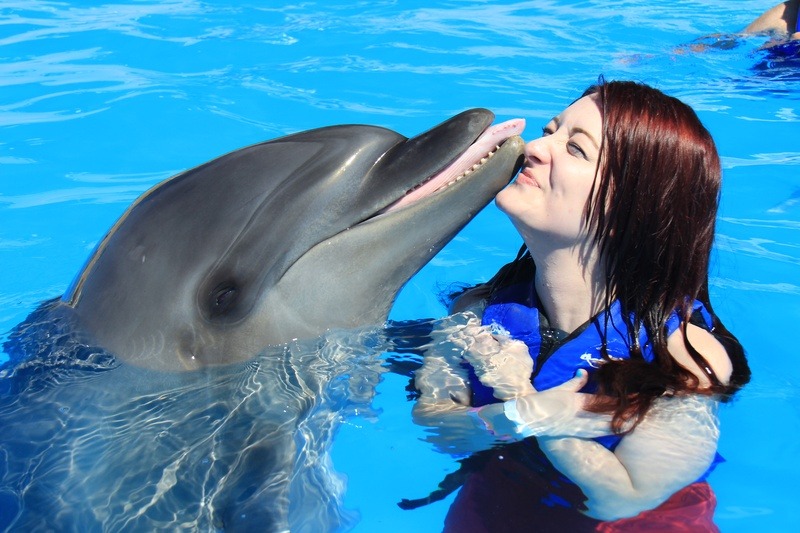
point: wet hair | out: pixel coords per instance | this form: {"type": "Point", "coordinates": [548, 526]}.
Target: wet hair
{"type": "Point", "coordinates": [652, 213]}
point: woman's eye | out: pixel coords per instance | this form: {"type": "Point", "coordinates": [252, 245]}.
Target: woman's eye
{"type": "Point", "coordinates": [576, 150]}
{"type": "Point", "coordinates": [546, 131]}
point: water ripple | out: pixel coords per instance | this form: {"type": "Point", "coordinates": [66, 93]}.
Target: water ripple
{"type": "Point", "coordinates": [758, 247]}
{"type": "Point", "coordinates": [56, 19]}
{"type": "Point", "coordinates": [760, 223]}
{"type": "Point", "coordinates": [748, 286]}
{"type": "Point", "coordinates": [779, 158]}
{"type": "Point", "coordinates": [245, 444]}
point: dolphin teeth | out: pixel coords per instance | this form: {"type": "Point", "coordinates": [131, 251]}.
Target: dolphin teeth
{"type": "Point", "coordinates": [405, 200]}
{"type": "Point", "coordinates": [464, 174]}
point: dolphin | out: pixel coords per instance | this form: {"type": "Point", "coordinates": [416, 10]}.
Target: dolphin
{"type": "Point", "coordinates": [217, 270]}
{"type": "Point", "coordinates": [283, 240]}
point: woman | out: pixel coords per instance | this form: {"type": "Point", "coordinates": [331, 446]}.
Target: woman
{"type": "Point", "coordinates": [616, 204]}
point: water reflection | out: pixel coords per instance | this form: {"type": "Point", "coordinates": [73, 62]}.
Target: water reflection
{"type": "Point", "coordinates": [90, 444]}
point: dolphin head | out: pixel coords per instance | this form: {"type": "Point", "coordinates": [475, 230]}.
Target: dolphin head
{"type": "Point", "coordinates": [285, 239]}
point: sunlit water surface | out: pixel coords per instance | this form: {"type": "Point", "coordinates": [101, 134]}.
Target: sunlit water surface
{"type": "Point", "coordinates": [99, 102]}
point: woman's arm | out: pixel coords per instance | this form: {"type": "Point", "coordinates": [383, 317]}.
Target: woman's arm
{"type": "Point", "coordinates": [710, 348]}
{"type": "Point", "coordinates": [445, 394]}
{"type": "Point", "coordinates": [445, 398]}
{"type": "Point", "coordinates": [502, 363]}
{"type": "Point", "coordinates": [671, 448]}
{"type": "Point", "coordinates": [505, 365]}
{"type": "Point", "coordinates": [673, 445]}
{"type": "Point", "coordinates": [556, 412]}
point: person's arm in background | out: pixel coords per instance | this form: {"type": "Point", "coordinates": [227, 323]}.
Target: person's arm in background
{"type": "Point", "coordinates": [780, 19]}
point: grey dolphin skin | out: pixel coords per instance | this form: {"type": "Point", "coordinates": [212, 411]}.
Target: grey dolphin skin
{"type": "Point", "coordinates": [280, 240]}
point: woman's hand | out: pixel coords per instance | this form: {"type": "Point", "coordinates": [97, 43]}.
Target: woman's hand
{"type": "Point", "coordinates": [556, 412]}
{"type": "Point", "coordinates": [500, 362]}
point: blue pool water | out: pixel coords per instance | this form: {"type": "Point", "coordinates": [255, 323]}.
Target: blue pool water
{"type": "Point", "coordinates": [101, 101]}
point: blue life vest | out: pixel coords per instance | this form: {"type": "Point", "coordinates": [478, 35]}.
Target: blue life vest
{"type": "Point", "coordinates": [515, 310]}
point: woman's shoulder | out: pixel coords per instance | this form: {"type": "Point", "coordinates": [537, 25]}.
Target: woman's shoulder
{"type": "Point", "coordinates": [707, 346]}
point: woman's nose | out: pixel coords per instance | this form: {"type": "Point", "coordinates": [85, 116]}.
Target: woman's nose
{"type": "Point", "coordinates": [538, 151]}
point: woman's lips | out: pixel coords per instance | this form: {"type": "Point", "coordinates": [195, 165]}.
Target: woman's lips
{"type": "Point", "coordinates": [526, 177]}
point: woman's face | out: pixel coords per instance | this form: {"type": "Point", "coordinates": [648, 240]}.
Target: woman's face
{"type": "Point", "coordinates": [548, 198]}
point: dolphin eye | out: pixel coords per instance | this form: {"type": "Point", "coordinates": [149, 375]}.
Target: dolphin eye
{"type": "Point", "coordinates": [223, 298]}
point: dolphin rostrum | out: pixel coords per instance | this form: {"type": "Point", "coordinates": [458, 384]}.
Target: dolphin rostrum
{"type": "Point", "coordinates": [283, 240]}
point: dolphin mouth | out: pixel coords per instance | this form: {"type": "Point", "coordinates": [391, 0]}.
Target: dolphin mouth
{"type": "Point", "coordinates": [470, 161]}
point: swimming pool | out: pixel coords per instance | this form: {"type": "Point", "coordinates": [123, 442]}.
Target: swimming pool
{"type": "Point", "coordinates": [100, 102]}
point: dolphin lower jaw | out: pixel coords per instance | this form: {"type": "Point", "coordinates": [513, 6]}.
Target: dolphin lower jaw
{"type": "Point", "coordinates": [442, 213]}
{"type": "Point", "coordinates": [434, 184]}
{"type": "Point", "coordinates": [471, 160]}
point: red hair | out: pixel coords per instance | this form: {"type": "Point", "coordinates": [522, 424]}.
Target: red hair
{"type": "Point", "coordinates": [653, 212]}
